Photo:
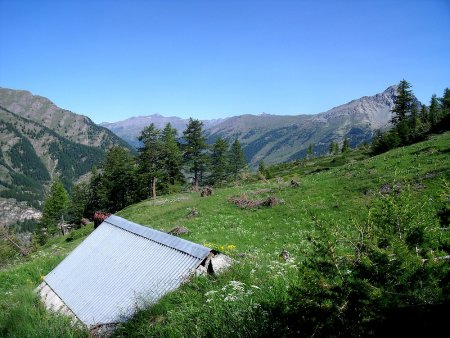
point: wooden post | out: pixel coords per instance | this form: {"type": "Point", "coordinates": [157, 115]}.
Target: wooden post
{"type": "Point", "coordinates": [154, 188]}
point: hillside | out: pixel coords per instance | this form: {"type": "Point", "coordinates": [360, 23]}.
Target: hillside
{"type": "Point", "coordinates": [38, 141]}
{"type": "Point", "coordinates": [250, 298]}
{"type": "Point", "coordinates": [277, 139]}
{"type": "Point", "coordinates": [32, 154]}
{"type": "Point", "coordinates": [76, 128]}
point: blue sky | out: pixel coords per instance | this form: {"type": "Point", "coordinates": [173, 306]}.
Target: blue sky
{"type": "Point", "coordinates": [111, 60]}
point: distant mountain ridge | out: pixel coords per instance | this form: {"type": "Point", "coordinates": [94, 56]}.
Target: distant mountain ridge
{"type": "Point", "coordinates": [130, 129]}
{"type": "Point", "coordinates": [278, 138]}
{"type": "Point", "coordinates": [275, 138]}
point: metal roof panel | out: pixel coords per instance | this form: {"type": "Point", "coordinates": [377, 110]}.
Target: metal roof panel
{"type": "Point", "coordinates": [120, 267]}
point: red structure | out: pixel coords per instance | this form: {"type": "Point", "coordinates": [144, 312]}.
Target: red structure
{"type": "Point", "coordinates": [99, 217]}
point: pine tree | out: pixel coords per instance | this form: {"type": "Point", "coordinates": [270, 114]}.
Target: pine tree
{"type": "Point", "coordinates": [55, 209]}
{"type": "Point", "coordinates": [150, 158]}
{"type": "Point", "coordinates": [194, 150]}
{"type": "Point", "coordinates": [310, 151]}
{"type": "Point", "coordinates": [331, 148]}
{"type": "Point", "coordinates": [79, 199]}
{"type": "Point", "coordinates": [172, 157]}
{"type": "Point", "coordinates": [336, 148]}
{"type": "Point", "coordinates": [346, 145]}
{"type": "Point", "coordinates": [97, 200]}
{"type": "Point", "coordinates": [237, 159]}
{"type": "Point", "coordinates": [117, 183]}
{"type": "Point", "coordinates": [424, 118]}
{"type": "Point", "coordinates": [414, 121]}
{"type": "Point", "coordinates": [262, 168]}
{"type": "Point", "coordinates": [434, 110]}
{"type": "Point", "coordinates": [56, 204]}
{"type": "Point", "coordinates": [403, 103]}
{"type": "Point", "coordinates": [445, 102]}
{"type": "Point", "coordinates": [219, 161]}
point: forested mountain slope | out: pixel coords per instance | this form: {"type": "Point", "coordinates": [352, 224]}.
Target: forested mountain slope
{"type": "Point", "coordinates": [76, 128]}
{"type": "Point", "coordinates": [31, 154]}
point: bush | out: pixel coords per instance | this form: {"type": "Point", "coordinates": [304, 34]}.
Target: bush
{"type": "Point", "coordinates": [350, 285]}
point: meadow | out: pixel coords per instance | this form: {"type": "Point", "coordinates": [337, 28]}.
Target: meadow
{"type": "Point", "coordinates": [339, 193]}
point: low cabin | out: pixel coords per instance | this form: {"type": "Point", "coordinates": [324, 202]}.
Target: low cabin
{"type": "Point", "coordinates": [120, 267]}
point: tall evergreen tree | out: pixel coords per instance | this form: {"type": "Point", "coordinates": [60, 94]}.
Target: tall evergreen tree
{"type": "Point", "coordinates": [403, 102]}
{"type": "Point", "coordinates": [331, 148]}
{"type": "Point", "coordinates": [97, 200]}
{"type": "Point", "coordinates": [336, 148]}
{"type": "Point", "coordinates": [219, 161]}
{"type": "Point", "coordinates": [310, 151]}
{"type": "Point", "coordinates": [150, 158]}
{"type": "Point", "coordinates": [194, 149]}
{"type": "Point", "coordinates": [79, 199]}
{"type": "Point", "coordinates": [346, 145]}
{"type": "Point", "coordinates": [445, 102]}
{"type": "Point", "coordinates": [55, 209]}
{"type": "Point", "coordinates": [262, 168]}
{"type": "Point", "coordinates": [414, 121]}
{"type": "Point", "coordinates": [237, 159]}
{"type": "Point", "coordinates": [117, 180]}
{"type": "Point", "coordinates": [56, 204]}
{"type": "Point", "coordinates": [424, 119]}
{"type": "Point", "coordinates": [171, 155]}
{"type": "Point", "coordinates": [434, 110]}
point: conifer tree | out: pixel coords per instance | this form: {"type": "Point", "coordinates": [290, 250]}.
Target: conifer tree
{"type": "Point", "coordinates": [117, 180]}
{"type": "Point", "coordinates": [262, 168]}
{"type": "Point", "coordinates": [445, 102]}
{"type": "Point", "coordinates": [336, 148]}
{"type": "Point", "coordinates": [194, 150]}
{"type": "Point", "coordinates": [237, 159]}
{"type": "Point", "coordinates": [346, 145]}
{"type": "Point", "coordinates": [219, 161]}
{"type": "Point", "coordinates": [171, 155]}
{"type": "Point", "coordinates": [403, 102]}
{"type": "Point", "coordinates": [434, 110]}
{"type": "Point", "coordinates": [331, 148]}
{"type": "Point", "coordinates": [424, 118]}
{"type": "Point", "coordinates": [79, 199]}
{"type": "Point", "coordinates": [150, 158]}
{"type": "Point", "coordinates": [55, 209]}
{"type": "Point", "coordinates": [310, 151]}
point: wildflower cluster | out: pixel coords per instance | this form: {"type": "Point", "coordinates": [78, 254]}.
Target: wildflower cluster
{"type": "Point", "coordinates": [221, 248]}
{"type": "Point", "coordinates": [231, 292]}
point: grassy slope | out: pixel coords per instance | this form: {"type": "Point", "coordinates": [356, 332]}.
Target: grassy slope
{"type": "Point", "coordinates": [254, 238]}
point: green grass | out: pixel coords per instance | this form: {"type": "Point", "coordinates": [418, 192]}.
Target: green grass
{"type": "Point", "coordinates": [238, 302]}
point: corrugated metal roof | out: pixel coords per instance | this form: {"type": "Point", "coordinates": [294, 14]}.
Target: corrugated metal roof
{"type": "Point", "coordinates": [121, 266]}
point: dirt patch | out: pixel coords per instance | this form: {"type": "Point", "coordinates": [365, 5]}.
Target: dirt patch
{"type": "Point", "coordinates": [193, 212]}
{"type": "Point", "coordinates": [387, 188]}
{"type": "Point", "coordinates": [244, 202]}
{"type": "Point", "coordinates": [206, 191]}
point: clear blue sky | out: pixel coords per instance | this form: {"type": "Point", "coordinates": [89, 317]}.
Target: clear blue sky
{"type": "Point", "coordinates": [111, 60]}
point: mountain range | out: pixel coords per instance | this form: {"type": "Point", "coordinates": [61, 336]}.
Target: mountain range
{"type": "Point", "coordinates": [130, 129]}
{"type": "Point", "coordinates": [39, 141]}
{"type": "Point", "coordinates": [277, 138]}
